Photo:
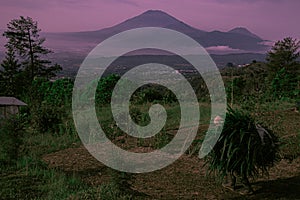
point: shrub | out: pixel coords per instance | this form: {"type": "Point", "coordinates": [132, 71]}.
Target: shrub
{"type": "Point", "coordinates": [105, 88]}
{"type": "Point", "coordinates": [11, 133]}
{"type": "Point", "coordinates": [244, 148]}
{"type": "Point", "coordinates": [50, 106]}
{"type": "Point", "coordinates": [46, 118]}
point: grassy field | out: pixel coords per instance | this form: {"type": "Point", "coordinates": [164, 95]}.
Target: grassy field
{"type": "Point", "coordinates": [57, 166]}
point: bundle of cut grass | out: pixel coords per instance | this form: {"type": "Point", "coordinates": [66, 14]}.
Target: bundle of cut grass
{"type": "Point", "coordinates": [244, 148]}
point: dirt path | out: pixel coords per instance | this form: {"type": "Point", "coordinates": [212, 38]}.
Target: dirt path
{"type": "Point", "coordinates": [184, 179]}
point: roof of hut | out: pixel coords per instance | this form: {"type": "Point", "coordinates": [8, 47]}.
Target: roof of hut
{"type": "Point", "coordinates": [11, 101]}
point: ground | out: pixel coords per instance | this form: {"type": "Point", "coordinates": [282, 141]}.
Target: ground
{"type": "Point", "coordinates": [184, 179]}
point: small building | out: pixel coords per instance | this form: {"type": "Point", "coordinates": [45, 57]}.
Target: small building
{"type": "Point", "coordinates": [10, 106]}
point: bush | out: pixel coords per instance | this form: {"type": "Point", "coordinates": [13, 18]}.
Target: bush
{"type": "Point", "coordinates": [50, 106]}
{"type": "Point", "coordinates": [105, 88]}
{"type": "Point", "coordinates": [244, 148]}
{"type": "Point", "coordinates": [46, 118]}
{"type": "Point", "coordinates": [11, 133]}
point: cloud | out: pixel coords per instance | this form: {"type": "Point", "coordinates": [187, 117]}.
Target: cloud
{"type": "Point", "coordinates": [267, 43]}
{"type": "Point", "coordinates": [27, 4]}
{"type": "Point", "coordinates": [248, 1]}
{"type": "Point", "coordinates": [222, 49]}
{"type": "Point", "coordinates": [46, 4]}
{"type": "Point", "coordinates": [42, 4]}
{"type": "Point", "coordinates": [129, 2]}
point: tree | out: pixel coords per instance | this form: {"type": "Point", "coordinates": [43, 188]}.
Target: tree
{"type": "Point", "coordinates": [229, 64]}
{"type": "Point", "coordinates": [284, 54]}
{"type": "Point", "coordinates": [10, 73]}
{"type": "Point", "coordinates": [283, 65]}
{"type": "Point", "coordinates": [23, 37]}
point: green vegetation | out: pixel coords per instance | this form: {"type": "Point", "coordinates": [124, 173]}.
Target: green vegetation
{"type": "Point", "coordinates": [284, 68]}
{"type": "Point", "coordinates": [11, 132]}
{"type": "Point", "coordinates": [245, 149]}
{"type": "Point", "coordinates": [10, 75]}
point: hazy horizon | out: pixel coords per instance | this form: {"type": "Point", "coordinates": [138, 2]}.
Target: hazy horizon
{"type": "Point", "coordinates": [269, 19]}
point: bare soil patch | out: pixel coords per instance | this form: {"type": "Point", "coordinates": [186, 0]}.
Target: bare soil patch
{"type": "Point", "coordinates": [184, 179]}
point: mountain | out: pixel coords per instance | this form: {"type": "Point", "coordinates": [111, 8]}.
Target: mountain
{"type": "Point", "coordinates": [244, 31]}
{"type": "Point", "coordinates": [154, 18]}
{"type": "Point", "coordinates": [150, 18]}
{"type": "Point", "coordinates": [238, 40]}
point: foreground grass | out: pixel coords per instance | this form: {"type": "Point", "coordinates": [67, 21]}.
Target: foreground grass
{"type": "Point", "coordinates": [31, 178]}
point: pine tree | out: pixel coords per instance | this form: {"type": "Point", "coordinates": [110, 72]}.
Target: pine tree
{"type": "Point", "coordinates": [10, 74]}
{"type": "Point", "coordinates": [23, 36]}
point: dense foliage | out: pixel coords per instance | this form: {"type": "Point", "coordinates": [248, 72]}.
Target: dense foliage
{"type": "Point", "coordinates": [284, 68]}
{"type": "Point", "coordinates": [10, 76]}
{"type": "Point", "coordinates": [11, 133]}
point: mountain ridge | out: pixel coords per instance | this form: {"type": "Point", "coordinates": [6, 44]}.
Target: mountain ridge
{"type": "Point", "coordinates": [237, 39]}
{"type": "Point", "coordinates": [244, 31]}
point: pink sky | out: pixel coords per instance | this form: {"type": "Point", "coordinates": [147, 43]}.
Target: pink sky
{"type": "Point", "coordinates": [270, 19]}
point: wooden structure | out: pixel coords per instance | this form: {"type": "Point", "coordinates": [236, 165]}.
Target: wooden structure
{"type": "Point", "coordinates": [10, 106]}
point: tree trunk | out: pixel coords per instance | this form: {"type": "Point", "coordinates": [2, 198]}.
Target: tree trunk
{"type": "Point", "coordinates": [31, 55]}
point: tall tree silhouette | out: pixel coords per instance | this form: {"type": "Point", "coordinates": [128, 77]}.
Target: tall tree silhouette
{"type": "Point", "coordinates": [10, 75]}
{"type": "Point", "coordinates": [24, 38]}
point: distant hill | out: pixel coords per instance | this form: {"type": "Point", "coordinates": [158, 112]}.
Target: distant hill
{"type": "Point", "coordinates": [237, 59]}
{"type": "Point", "coordinates": [244, 31]}
{"type": "Point", "coordinates": [71, 61]}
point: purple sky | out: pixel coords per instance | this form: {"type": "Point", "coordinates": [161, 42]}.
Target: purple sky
{"type": "Point", "coordinates": [270, 19]}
